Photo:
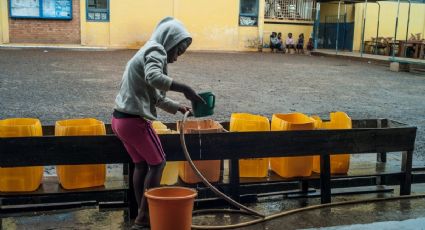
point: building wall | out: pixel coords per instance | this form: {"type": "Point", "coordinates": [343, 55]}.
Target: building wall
{"type": "Point", "coordinates": [93, 33]}
{"type": "Point", "coordinates": [47, 31]}
{"type": "Point", "coordinates": [213, 25]}
{"type": "Point", "coordinates": [132, 22]}
{"type": "Point", "coordinates": [331, 9]}
{"type": "Point", "coordinates": [4, 23]}
{"type": "Point", "coordinates": [387, 21]}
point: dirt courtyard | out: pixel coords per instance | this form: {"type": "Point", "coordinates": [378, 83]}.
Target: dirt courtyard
{"type": "Point", "coordinates": [61, 84]}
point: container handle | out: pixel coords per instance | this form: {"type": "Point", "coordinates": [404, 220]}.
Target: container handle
{"type": "Point", "coordinates": [213, 103]}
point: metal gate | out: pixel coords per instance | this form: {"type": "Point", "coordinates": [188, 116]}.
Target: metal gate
{"type": "Point", "coordinates": [328, 33]}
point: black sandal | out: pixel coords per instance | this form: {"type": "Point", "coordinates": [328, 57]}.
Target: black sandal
{"type": "Point", "coordinates": [139, 226]}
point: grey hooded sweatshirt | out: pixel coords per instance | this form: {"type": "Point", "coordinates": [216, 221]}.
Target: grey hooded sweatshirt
{"type": "Point", "coordinates": [145, 79]}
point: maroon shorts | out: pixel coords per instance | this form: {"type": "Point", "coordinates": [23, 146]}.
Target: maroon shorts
{"type": "Point", "coordinates": [139, 139]}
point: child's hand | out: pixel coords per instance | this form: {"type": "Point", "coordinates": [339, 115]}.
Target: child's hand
{"type": "Point", "coordinates": [188, 92]}
{"type": "Point", "coordinates": [183, 109]}
{"type": "Point", "coordinates": [191, 95]}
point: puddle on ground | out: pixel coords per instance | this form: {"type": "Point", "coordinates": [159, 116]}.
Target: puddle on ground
{"type": "Point", "coordinates": [411, 224]}
{"type": "Point", "coordinates": [90, 218]}
{"type": "Point", "coordinates": [349, 217]}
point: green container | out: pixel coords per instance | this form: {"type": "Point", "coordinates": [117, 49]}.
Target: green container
{"type": "Point", "coordinates": [203, 110]}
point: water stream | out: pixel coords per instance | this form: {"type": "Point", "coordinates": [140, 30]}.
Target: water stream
{"type": "Point", "coordinates": [200, 140]}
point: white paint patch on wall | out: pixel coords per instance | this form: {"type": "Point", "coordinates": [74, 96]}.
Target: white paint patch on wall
{"type": "Point", "coordinates": [215, 38]}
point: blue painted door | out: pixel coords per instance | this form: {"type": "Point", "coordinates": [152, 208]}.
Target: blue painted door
{"type": "Point", "coordinates": [328, 33]}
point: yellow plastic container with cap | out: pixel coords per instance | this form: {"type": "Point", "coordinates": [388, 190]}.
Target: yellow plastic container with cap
{"type": "Point", "coordinates": [80, 176]}
{"type": "Point", "coordinates": [245, 122]}
{"type": "Point", "coordinates": [20, 179]}
{"type": "Point", "coordinates": [292, 166]}
{"type": "Point", "coordinates": [340, 163]}
{"type": "Point", "coordinates": [170, 174]}
{"type": "Point", "coordinates": [157, 125]}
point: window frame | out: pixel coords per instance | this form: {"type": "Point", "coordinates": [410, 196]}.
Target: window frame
{"type": "Point", "coordinates": [91, 10]}
{"type": "Point", "coordinates": [304, 11]}
{"type": "Point", "coordinates": [40, 12]}
{"type": "Point", "coordinates": [255, 15]}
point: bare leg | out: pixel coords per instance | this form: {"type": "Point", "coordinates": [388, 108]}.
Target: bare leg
{"type": "Point", "coordinates": [152, 180]}
{"type": "Point", "coordinates": [139, 175]}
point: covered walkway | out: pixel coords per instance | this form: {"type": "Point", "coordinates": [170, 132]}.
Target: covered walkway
{"type": "Point", "coordinates": [366, 57]}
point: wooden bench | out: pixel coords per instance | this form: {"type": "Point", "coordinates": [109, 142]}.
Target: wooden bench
{"type": "Point", "coordinates": [367, 136]}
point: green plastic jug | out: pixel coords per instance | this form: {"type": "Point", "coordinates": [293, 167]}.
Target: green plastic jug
{"type": "Point", "coordinates": [203, 110]}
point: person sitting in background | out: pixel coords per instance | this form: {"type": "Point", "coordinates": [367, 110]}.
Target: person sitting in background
{"type": "Point", "coordinates": [290, 43]}
{"type": "Point", "coordinates": [279, 38]}
{"type": "Point", "coordinates": [274, 42]}
{"type": "Point", "coordinates": [310, 45]}
{"type": "Point", "coordinates": [300, 44]}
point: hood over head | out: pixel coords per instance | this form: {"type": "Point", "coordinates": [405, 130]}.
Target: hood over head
{"type": "Point", "coordinates": [169, 32]}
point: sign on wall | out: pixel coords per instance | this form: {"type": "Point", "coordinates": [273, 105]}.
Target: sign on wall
{"type": "Point", "coordinates": [47, 9]}
{"type": "Point", "coordinates": [29, 8]}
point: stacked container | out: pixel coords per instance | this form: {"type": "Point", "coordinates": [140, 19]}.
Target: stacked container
{"type": "Point", "coordinates": [157, 125]}
{"type": "Point", "coordinates": [244, 122]}
{"type": "Point", "coordinates": [339, 163]}
{"type": "Point", "coordinates": [20, 179]}
{"type": "Point", "coordinates": [171, 169]}
{"type": "Point", "coordinates": [292, 166]}
{"type": "Point", "coordinates": [80, 176]}
{"type": "Point", "coordinates": [209, 168]}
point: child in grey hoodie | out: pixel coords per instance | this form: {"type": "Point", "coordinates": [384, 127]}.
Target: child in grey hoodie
{"type": "Point", "coordinates": [143, 86]}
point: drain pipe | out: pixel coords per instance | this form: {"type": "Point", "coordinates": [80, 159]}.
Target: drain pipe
{"type": "Point", "coordinates": [396, 28]}
{"type": "Point", "coordinates": [337, 28]}
{"type": "Point", "coordinates": [407, 29]}
{"type": "Point", "coordinates": [345, 27]}
{"type": "Point", "coordinates": [260, 21]}
{"type": "Point", "coordinates": [377, 28]}
{"type": "Point", "coordinates": [363, 29]}
{"type": "Point", "coordinates": [317, 26]}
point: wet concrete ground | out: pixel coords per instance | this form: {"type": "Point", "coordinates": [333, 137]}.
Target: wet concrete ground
{"type": "Point", "coordinates": [397, 210]}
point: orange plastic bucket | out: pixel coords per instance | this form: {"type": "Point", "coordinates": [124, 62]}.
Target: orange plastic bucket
{"type": "Point", "coordinates": [170, 207]}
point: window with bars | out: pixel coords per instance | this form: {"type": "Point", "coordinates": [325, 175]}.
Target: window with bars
{"type": "Point", "coordinates": [248, 13]}
{"type": "Point", "coordinates": [98, 10]}
{"type": "Point", "coordinates": [290, 9]}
